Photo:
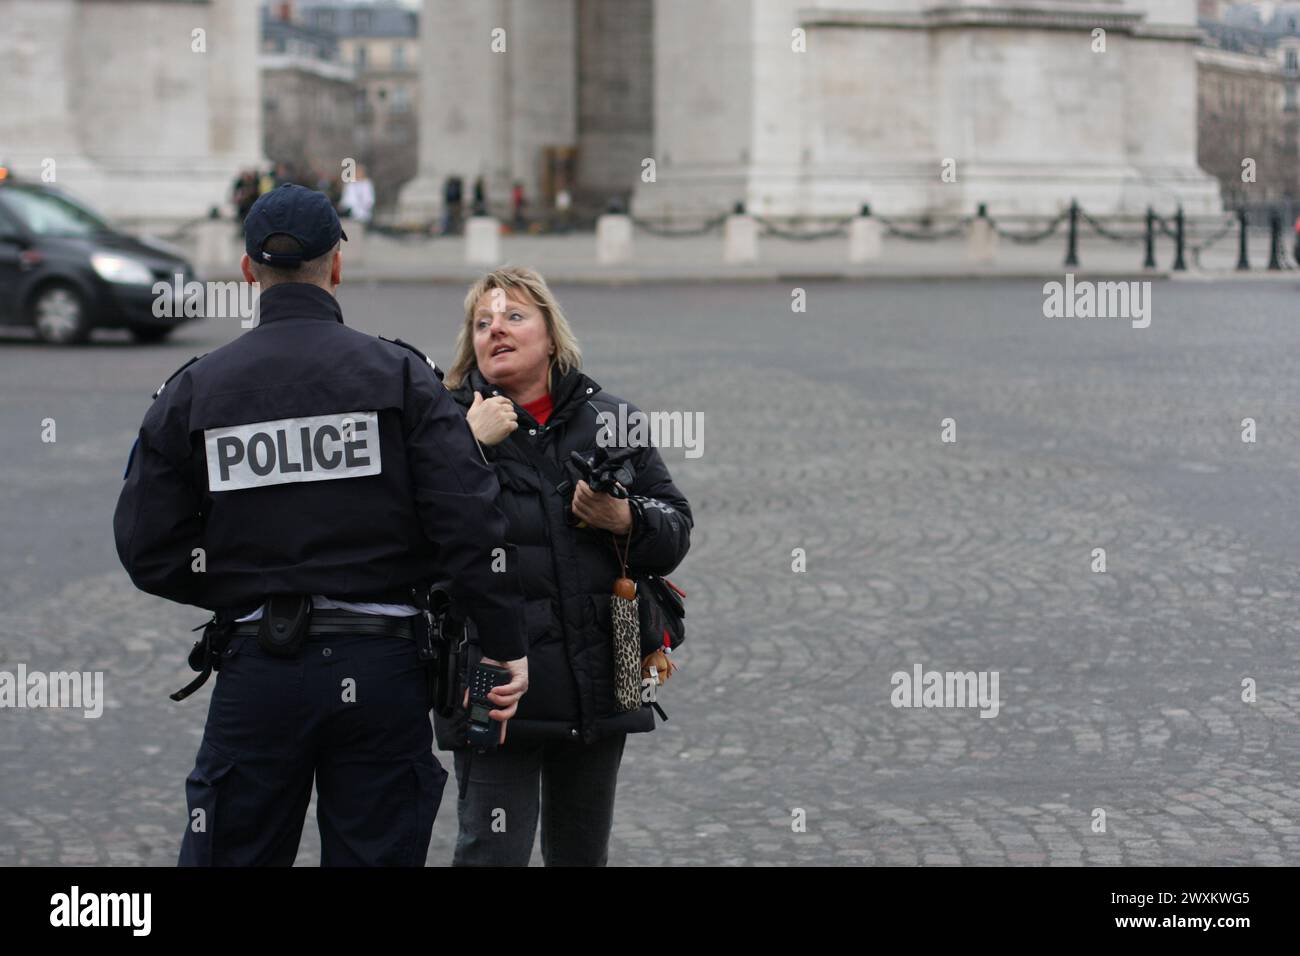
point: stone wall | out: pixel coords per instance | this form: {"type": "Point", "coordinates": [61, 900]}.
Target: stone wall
{"type": "Point", "coordinates": [137, 122]}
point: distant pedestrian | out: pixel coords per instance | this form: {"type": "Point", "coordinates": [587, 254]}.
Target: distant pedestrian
{"type": "Point", "coordinates": [480, 197]}
{"type": "Point", "coordinates": [517, 203]}
{"type": "Point", "coordinates": [358, 200]}
{"type": "Point", "coordinates": [452, 192]}
{"type": "Point", "coordinates": [563, 201]}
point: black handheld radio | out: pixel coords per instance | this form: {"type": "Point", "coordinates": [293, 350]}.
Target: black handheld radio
{"type": "Point", "coordinates": [484, 732]}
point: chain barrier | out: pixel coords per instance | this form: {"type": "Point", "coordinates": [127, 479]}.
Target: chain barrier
{"type": "Point", "coordinates": [708, 226]}
{"type": "Point", "coordinates": [1105, 233]}
{"type": "Point", "coordinates": [924, 231]}
{"type": "Point", "coordinates": [930, 236]}
{"type": "Point", "coordinates": [1227, 227]}
{"type": "Point", "coordinates": [1026, 238]}
{"type": "Point", "coordinates": [772, 229]}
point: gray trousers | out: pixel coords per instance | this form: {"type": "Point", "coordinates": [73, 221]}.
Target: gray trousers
{"type": "Point", "coordinates": [569, 785]}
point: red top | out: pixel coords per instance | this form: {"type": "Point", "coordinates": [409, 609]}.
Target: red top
{"type": "Point", "coordinates": [540, 409]}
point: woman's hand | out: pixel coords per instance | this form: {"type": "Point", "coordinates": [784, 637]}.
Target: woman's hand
{"type": "Point", "coordinates": [601, 510]}
{"type": "Point", "coordinates": [492, 420]}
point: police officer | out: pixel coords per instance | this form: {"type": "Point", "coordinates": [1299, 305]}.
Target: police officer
{"type": "Point", "coordinates": [304, 482]}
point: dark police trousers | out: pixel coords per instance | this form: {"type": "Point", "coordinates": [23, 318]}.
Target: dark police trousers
{"type": "Point", "coordinates": [352, 711]}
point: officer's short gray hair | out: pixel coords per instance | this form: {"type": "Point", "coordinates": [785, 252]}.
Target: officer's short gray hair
{"type": "Point", "coordinates": [314, 271]}
{"type": "Point", "coordinates": [529, 282]}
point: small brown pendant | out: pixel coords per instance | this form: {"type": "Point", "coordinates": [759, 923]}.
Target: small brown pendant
{"type": "Point", "coordinates": [625, 588]}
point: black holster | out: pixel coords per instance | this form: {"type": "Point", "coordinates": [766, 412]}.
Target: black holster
{"type": "Point", "coordinates": [205, 655]}
{"type": "Point", "coordinates": [440, 642]}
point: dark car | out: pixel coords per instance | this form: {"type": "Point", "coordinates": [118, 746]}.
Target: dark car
{"type": "Point", "coordinates": [66, 271]}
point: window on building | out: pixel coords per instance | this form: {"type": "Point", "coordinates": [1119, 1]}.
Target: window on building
{"type": "Point", "coordinates": [399, 56]}
{"type": "Point", "coordinates": [360, 21]}
{"type": "Point", "coordinates": [1290, 98]}
{"type": "Point", "coordinates": [1291, 64]}
{"type": "Point", "coordinates": [268, 104]}
{"type": "Point", "coordinates": [401, 100]}
{"type": "Point", "coordinates": [325, 19]}
{"type": "Point", "coordinates": [360, 56]}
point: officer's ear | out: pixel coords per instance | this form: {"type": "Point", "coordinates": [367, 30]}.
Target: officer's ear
{"type": "Point", "coordinates": [246, 267]}
{"type": "Point", "coordinates": [336, 269]}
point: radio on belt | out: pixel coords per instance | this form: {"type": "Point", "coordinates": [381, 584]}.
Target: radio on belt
{"type": "Point", "coordinates": [289, 450]}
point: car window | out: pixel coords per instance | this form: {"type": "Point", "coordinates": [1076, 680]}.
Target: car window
{"type": "Point", "coordinates": [8, 231]}
{"type": "Point", "coordinates": [49, 214]}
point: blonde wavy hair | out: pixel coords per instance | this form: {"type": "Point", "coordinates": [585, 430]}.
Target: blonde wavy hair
{"type": "Point", "coordinates": [529, 283]}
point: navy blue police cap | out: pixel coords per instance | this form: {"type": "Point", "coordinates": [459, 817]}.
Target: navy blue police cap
{"type": "Point", "coordinates": [295, 211]}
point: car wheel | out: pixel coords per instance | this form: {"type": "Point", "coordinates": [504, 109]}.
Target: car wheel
{"type": "Point", "coordinates": [148, 336]}
{"type": "Point", "coordinates": [59, 314]}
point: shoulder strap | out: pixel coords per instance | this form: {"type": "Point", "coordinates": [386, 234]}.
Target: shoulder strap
{"type": "Point", "coordinates": [177, 372]}
{"type": "Point", "coordinates": [409, 347]}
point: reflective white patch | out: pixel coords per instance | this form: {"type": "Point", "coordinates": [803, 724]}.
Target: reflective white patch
{"type": "Point", "coordinates": [289, 450]}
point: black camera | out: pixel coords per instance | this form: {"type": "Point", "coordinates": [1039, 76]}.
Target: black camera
{"type": "Point", "coordinates": [607, 470]}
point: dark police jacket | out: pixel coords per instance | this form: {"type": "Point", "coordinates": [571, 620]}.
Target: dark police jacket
{"type": "Point", "coordinates": [306, 457]}
{"type": "Point", "coordinates": [568, 572]}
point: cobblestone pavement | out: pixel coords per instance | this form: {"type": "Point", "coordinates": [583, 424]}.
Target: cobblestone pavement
{"type": "Point", "coordinates": [1119, 691]}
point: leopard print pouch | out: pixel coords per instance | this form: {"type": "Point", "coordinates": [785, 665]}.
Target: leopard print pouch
{"type": "Point", "coordinates": [627, 651]}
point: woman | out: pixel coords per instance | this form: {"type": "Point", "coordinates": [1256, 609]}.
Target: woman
{"type": "Point", "coordinates": [517, 373]}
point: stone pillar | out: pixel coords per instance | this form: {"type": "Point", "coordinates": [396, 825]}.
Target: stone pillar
{"type": "Point", "coordinates": [354, 250]}
{"type": "Point", "coordinates": [144, 127]}
{"type": "Point", "coordinates": [490, 113]}
{"type": "Point", "coordinates": [38, 87]}
{"type": "Point", "coordinates": [703, 108]}
{"type": "Point", "coordinates": [982, 243]}
{"type": "Point", "coordinates": [217, 250]}
{"type": "Point", "coordinates": [865, 241]}
{"type": "Point", "coordinates": [235, 84]}
{"type": "Point", "coordinates": [613, 238]}
{"type": "Point", "coordinates": [483, 241]}
{"type": "Point", "coordinates": [740, 239]}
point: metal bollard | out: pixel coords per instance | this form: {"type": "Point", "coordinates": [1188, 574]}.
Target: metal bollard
{"type": "Point", "coordinates": [1275, 241]}
{"type": "Point", "coordinates": [1072, 240]}
{"type": "Point", "coordinates": [1243, 260]}
{"type": "Point", "coordinates": [1149, 262]}
{"type": "Point", "coordinates": [1179, 234]}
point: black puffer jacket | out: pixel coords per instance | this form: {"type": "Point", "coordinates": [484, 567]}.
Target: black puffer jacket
{"type": "Point", "coordinates": [568, 572]}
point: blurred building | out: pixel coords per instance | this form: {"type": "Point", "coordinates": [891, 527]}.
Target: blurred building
{"type": "Point", "coordinates": [309, 97]}
{"type": "Point", "coordinates": [801, 107]}
{"type": "Point", "coordinates": [379, 42]}
{"type": "Point", "coordinates": [1248, 75]}
{"type": "Point", "coordinates": [145, 108]}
